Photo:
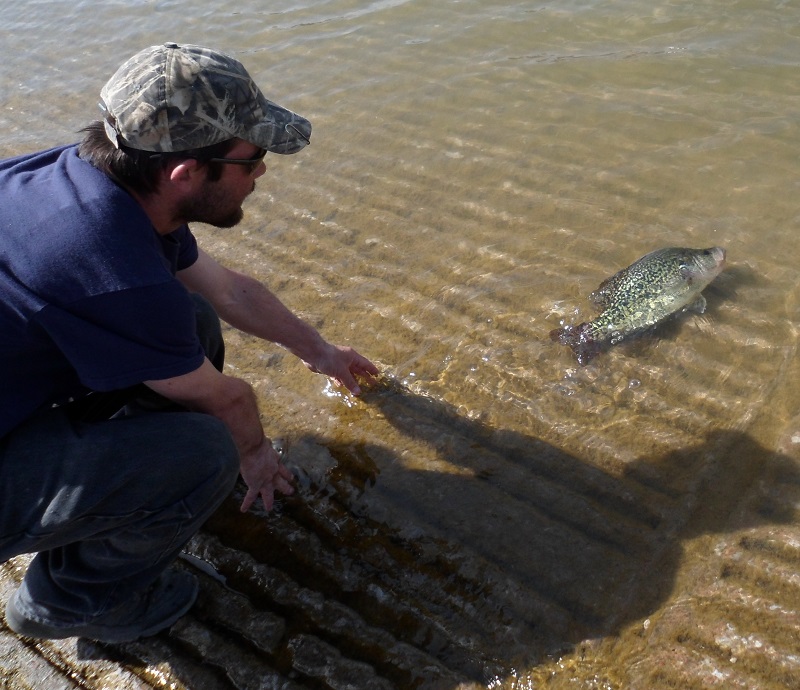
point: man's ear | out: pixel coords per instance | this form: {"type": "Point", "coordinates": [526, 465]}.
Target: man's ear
{"type": "Point", "coordinates": [187, 171]}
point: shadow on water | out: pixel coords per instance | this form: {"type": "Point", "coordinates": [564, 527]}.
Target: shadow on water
{"type": "Point", "coordinates": [509, 551]}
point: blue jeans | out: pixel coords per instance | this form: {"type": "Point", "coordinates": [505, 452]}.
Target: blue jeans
{"type": "Point", "coordinates": [107, 504]}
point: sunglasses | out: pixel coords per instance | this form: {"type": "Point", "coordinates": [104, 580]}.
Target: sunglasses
{"type": "Point", "coordinates": [252, 163]}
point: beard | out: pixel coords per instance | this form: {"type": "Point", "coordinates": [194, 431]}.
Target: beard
{"type": "Point", "coordinates": [213, 207]}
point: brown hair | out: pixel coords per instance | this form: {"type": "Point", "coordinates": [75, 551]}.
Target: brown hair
{"type": "Point", "coordinates": [140, 170]}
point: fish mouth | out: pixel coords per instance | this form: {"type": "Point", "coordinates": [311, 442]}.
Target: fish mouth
{"type": "Point", "coordinates": [719, 255]}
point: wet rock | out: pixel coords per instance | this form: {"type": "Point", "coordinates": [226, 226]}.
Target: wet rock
{"type": "Point", "coordinates": [323, 662]}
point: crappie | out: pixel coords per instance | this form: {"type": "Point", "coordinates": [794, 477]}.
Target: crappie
{"type": "Point", "coordinates": [656, 286]}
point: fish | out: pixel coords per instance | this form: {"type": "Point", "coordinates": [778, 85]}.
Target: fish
{"type": "Point", "coordinates": [662, 283]}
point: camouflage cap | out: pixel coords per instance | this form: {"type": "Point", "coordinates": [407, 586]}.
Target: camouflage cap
{"type": "Point", "coordinates": [175, 98]}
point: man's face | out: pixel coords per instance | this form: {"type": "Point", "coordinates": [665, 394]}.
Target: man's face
{"type": "Point", "coordinates": [219, 202]}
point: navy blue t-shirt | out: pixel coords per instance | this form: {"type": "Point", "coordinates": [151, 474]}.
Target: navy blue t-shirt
{"type": "Point", "coordinates": [88, 294]}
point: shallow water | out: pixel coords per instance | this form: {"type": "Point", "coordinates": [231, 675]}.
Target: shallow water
{"type": "Point", "coordinates": [477, 169]}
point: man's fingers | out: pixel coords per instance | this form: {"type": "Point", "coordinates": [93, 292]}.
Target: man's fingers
{"type": "Point", "coordinates": [349, 382]}
{"type": "Point", "coordinates": [365, 367]}
{"type": "Point", "coordinates": [280, 481]}
{"type": "Point", "coordinates": [285, 472]}
{"type": "Point", "coordinates": [269, 499]}
{"type": "Point", "coordinates": [249, 497]}
{"type": "Point", "coordinates": [283, 486]}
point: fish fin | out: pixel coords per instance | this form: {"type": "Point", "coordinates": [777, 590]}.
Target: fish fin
{"type": "Point", "coordinates": [600, 297]}
{"type": "Point", "coordinates": [699, 305]}
{"type": "Point", "coordinates": [578, 339]}
{"type": "Point", "coordinates": [605, 292]}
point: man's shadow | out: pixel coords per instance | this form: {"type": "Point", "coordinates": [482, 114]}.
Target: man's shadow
{"type": "Point", "coordinates": [501, 551]}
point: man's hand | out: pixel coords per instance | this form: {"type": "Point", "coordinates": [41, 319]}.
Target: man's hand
{"type": "Point", "coordinates": [264, 474]}
{"type": "Point", "coordinates": [343, 364]}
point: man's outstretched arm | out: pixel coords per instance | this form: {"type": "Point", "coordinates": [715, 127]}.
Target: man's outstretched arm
{"type": "Point", "coordinates": [248, 305]}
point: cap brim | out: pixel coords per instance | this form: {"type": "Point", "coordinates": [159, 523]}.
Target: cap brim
{"type": "Point", "coordinates": [281, 130]}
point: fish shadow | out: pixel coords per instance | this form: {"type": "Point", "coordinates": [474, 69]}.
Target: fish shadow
{"type": "Point", "coordinates": [502, 550]}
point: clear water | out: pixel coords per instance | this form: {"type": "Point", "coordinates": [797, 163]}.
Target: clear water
{"type": "Point", "coordinates": [477, 168]}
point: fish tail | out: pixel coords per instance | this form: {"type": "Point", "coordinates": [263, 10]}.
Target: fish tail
{"type": "Point", "coordinates": [579, 339]}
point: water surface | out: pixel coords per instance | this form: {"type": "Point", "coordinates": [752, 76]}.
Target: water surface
{"type": "Point", "coordinates": [477, 169]}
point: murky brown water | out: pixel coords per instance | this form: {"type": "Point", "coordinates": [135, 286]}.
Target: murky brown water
{"type": "Point", "coordinates": [477, 169]}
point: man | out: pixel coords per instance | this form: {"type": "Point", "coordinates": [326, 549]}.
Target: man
{"type": "Point", "coordinates": [107, 317]}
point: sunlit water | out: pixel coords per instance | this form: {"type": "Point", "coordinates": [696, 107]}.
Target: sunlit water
{"type": "Point", "coordinates": [477, 168]}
